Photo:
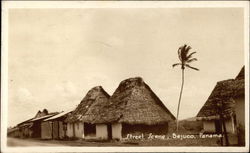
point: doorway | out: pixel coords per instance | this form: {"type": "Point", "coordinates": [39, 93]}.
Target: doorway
{"type": "Point", "coordinates": [89, 129]}
{"type": "Point", "coordinates": [109, 131]}
{"type": "Point", "coordinates": [218, 128]}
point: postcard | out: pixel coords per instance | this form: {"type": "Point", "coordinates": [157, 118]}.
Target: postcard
{"type": "Point", "coordinates": [122, 76]}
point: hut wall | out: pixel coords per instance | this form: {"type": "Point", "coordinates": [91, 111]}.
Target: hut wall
{"type": "Point", "coordinates": [30, 133]}
{"type": "Point", "coordinates": [55, 129]}
{"type": "Point", "coordinates": [209, 126]}
{"type": "Point", "coordinates": [101, 131]}
{"type": "Point", "coordinates": [117, 131]}
{"type": "Point", "coordinates": [240, 111]}
{"type": "Point", "coordinates": [70, 130]}
{"type": "Point", "coordinates": [17, 133]}
{"type": "Point", "coordinates": [61, 131]}
{"type": "Point", "coordinates": [36, 129]}
{"type": "Point", "coordinates": [25, 132]}
{"type": "Point", "coordinates": [229, 126]}
{"type": "Point", "coordinates": [240, 119]}
{"type": "Point", "coordinates": [46, 130]}
{"type": "Point", "coordinates": [14, 133]}
{"type": "Point", "coordinates": [79, 129]}
{"type": "Point", "coordinates": [11, 134]}
{"type": "Point", "coordinates": [22, 133]}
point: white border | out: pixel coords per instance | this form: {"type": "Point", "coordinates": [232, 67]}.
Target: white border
{"type": "Point", "coordinates": [115, 4]}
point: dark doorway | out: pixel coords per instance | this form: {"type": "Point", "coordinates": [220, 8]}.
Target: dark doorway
{"type": "Point", "coordinates": [55, 130]}
{"type": "Point", "coordinates": [218, 126]}
{"type": "Point", "coordinates": [89, 129]}
{"type": "Point", "coordinates": [109, 131]}
{"type": "Point", "coordinates": [36, 129]}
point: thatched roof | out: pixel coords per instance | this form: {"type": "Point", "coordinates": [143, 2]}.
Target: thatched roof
{"type": "Point", "coordinates": [94, 111]}
{"type": "Point", "coordinates": [224, 93]}
{"type": "Point", "coordinates": [134, 102]}
{"type": "Point", "coordinates": [96, 96]}
{"type": "Point", "coordinates": [241, 75]}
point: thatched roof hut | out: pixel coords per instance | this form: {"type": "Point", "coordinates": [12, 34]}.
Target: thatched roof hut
{"type": "Point", "coordinates": [95, 98]}
{"type": "Point", "coordinates": [133, 102]}
{"type": "Point", "coordinates": [225, 91]}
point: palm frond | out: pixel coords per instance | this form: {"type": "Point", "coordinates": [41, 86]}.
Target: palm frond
{"type": "Point", "coordinates": [183, 53]}
{"type": "Point", "coordinates": [176, 64]}
{"type": "Point", "coordinates": [191, 67]}
{"type": "Point", "coordinates": [179, 54]}
{"type": "Point", "coordinates": [190, 55]}
{"type": "Point", "coordinates": [191, 60]}
{"type": "Point", "coordinates": [187, 49]}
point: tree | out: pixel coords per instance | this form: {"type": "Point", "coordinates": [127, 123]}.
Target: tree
{"type": "Point", "coordinates": [185, 59]}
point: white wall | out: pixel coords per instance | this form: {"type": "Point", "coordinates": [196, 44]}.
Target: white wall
{"type": "Point", "coordinates": [101, 131]}
{"type": "Point", "coordinates": [70, 132]}
{"type": "Point", "coordinates": [209, 126]}
{"type": "Point", "coordinates": [61, 131]}
{"type": "Point", "coordinates": [229, 126]}
{"type": "Point", "coordinates": [79, 129]}
{"type": "Point", "coordinates": [116, 131]}
{"type": "Point", "coordinates": [240, 111]}
{"type": "Point", "coordinates": [46, 130]}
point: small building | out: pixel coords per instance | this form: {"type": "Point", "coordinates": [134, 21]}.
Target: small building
{"type": "Point", "coordinates": [24, 129]}
{"type": "Point", "coordinates": [133, 109]}
{"type": "Point", "coordinates": [54, 127]}
{"type": "Point", "coordinates": [77, 126]}
{"type": "Point", "coordinates": [13, 132]}
{"type": "Point", "coordinates": [92, 128]}
{"type": "Point", "coordinates": [32, 127]}
{"type": "Point", "coordinates": [231, 94]}
{"type": "Point", "coordinates": [36, 124]}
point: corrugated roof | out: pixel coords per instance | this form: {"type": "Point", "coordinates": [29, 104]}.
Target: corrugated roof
{"type": "Point", "coordinates": [25, 122]}
{"type": "Point", "coordinates": [58, 115]}
{"type": "Point", "coordinates": [43, 117]}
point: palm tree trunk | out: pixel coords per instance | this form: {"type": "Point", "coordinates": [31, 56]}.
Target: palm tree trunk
{"type": "Point", "coordinates": [182, 84]}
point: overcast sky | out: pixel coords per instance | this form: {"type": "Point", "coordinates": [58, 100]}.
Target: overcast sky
{"type": "Point", "coordinates": [57, 55]}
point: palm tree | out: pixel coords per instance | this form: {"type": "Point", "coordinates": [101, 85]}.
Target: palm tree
{"type": "Point", "coordinates": [185, 58]}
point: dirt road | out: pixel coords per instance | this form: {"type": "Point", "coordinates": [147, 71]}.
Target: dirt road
{"type": "Point", "coordinates": [15, 142]}
{"type": "Point", "coordinates": [18, 142]}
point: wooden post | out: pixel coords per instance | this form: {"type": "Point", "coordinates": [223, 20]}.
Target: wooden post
{"type": "Point", "coordinates": [225, 131]}
{"type": "Point", "coordinates": [221, 112]}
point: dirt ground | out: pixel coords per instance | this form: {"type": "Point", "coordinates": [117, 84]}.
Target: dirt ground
{"type": "Point", "coordinates": [17, 142]}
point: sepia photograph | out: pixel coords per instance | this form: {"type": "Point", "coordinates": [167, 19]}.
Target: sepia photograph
{"type": "Point", "coordinates": [125, 76]}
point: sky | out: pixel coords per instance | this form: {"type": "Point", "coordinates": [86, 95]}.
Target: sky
{"type": "Point", "coordinates": [56, 55]}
